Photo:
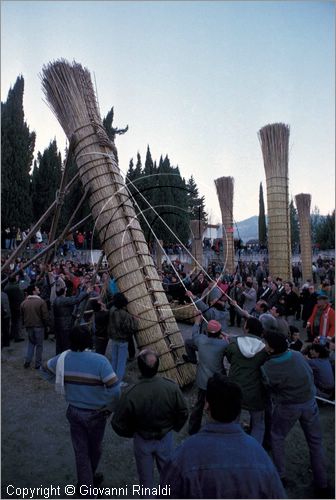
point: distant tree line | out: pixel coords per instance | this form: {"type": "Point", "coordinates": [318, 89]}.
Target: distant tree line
{"type": "Point", "coordinates": [29, 187]}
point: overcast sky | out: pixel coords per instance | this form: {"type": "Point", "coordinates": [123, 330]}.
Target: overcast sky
{"type": "Point", "coordinates": [194, 80]}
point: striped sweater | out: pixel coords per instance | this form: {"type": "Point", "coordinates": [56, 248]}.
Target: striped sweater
{"type": "Point", "coordinates": [89, 380]}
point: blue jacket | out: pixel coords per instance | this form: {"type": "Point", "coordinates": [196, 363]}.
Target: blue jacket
{"type": "Point", "coordinates": [221, 461]}
{"type": "Point", "coordinates": [210, 356]}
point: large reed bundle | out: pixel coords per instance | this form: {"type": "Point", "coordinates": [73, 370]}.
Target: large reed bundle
{"type": "Point", "coordinates": [69, 91]}
{"type": "Point", "coordinates": [303, 202]}
{"type": "Point", "coordinates": [274, 141]}
{"type": "Point", "coordinates": [224, 187]}
{"type": "Point", "coordinates": [197, 229]}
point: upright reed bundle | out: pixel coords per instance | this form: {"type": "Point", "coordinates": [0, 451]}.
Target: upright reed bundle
{"type": "Point", "coordinates": [274, 141]}
{"type": "Point", "coordinates": [69, 91]}
{"type": "Point", "coordinates": [224, 186]}
{"type": "Point", "coordinates": [197, 229]}
{"type": "Point", "coordinates": [303, 207]}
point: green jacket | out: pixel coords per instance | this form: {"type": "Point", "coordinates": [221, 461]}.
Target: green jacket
{"type": "Point", "coordinates": [121, 325]}
{"type": "Point", "coordinates": [152, 407]}
{"type": "Point", "coordinates": [246, 354]}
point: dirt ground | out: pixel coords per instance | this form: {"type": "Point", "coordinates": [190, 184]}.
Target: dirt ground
{"type": "Point", "coordinates": [36, 444]}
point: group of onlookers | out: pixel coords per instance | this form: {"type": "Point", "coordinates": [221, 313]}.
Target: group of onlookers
{"type": "Point", "coordinates": [261, 371]}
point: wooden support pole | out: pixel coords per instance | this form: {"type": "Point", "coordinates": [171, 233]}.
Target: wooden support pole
{"type": "Point", "coordinates": [45, 250]}
{"type": "Point", "coordinates": [25, 242]}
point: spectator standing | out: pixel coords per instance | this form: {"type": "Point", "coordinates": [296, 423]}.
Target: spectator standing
{"type": "Point", "coordinates": [15, 296]}
{"type": "Point", "coordinates": [291, 382]}
{"type": "Point", "coordinates": [321, 323]}
{"type": "Point", "coordinates": [291, 302]}
{"type": "Point", "coordinates": [149, 411]}
{"type": "Point", "coordinates": [35, 318]}
{"type": "Point", "coordinates": [5, 320]}
{"type": "Point", "coordinates": [91, 389]}
{"type": "Point", "coordinates": [246, 354]}
{"type": "Point", "coordinates": [221, 461]}
{"type": "Point", "coordinates": [121, 327]}
{"type": "Point", "coordinates": [211, 349]}
{"type": "Point", "coordinates": [63, 317]}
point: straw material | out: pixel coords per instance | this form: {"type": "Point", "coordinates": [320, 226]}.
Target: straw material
{"type": "Point", "coordinates": [69, 93]}
{"type": "Point", "coordinates": [224, 187]}
{"type": "Point", "coordinates": [274, 140]}
{"type": "Point", "coordinates": [303, 202]}
{"type": "Point", "coordinates": [185, 313]}
{"type": "Point", "coordinates": [197, 229]}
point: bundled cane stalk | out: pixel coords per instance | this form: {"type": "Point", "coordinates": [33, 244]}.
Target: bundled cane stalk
{"type": "Point", "coordinates": [303, 202]}
{"type": "Point", "coordinates": [274, 140]}
{"type": "Point", "coordinates": [69, 92]}
{"type": "Point", "coordinates": [224, 186]}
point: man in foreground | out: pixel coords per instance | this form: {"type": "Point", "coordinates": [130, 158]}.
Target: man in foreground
{"type": "Point", "coordinates": [148, 412]}
{"type": "Point", "coordinates": [291, 381]}
{"type": "Point", "coordinates": [91, 388]}
{"type": "Point", "coordinates": [221, 461]}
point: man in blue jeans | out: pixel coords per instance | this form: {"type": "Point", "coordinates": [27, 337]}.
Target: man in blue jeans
{"type": "Point", "coordinates": [148, 412]}
{"type": "Point", "coordinates": [291, 381]}
{"type": "Point", "coordinates": [91, 388]}
{"type": "Point", "coordinates": [35, 318]}
{"type": "Point", "coordinates": [221, 460]}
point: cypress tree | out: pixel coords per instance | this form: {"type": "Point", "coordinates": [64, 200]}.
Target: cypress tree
{"type": "Point", "coordinates": [17, 150]}
{"type": "Point", "coordinates": [46, 180]}
{"type": "Point", "coordinates": [196, 204]}
{"type": "Point", "coordinates": [294, 225]}
{"type": "Point", "coordinates": [262, 219]}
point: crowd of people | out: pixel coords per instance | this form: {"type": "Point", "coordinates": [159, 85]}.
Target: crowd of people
{"type": "Point", "coordinates": [267, 370]}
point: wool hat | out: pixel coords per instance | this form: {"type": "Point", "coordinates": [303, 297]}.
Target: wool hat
{"type": "Point", "coordinates": [214, 326]}
{"type": "Point", "coordinates": [322, 295]}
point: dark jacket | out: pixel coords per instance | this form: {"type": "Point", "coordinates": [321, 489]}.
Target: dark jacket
{"type": "Point", "coordinates": [221, 461]}
{"type": "Point", "coordinates": [34, 312]}
{"type": "Point", "coordinates": [308, 300]}
{"type": "Point", "coordinates": [5, 307]}
{"type": "Point", "coordinates": [101, 322]}
{"type": "Point", "coordinates": [152, 407]}
{"type": "Point", "coordinates": [15, 297]}
{"type": "Point", "coordinates": [289, 377]}
{"type": "Point", "coordinates": [291, 303]}
{"type": "Point", "coordinates": [122, 325]}
{"type": "Point", "coordinates": [63, 309]}
{"type": "Point", "coordinates": [246, 354]}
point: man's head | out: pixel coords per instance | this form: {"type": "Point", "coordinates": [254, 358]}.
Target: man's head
{"type": "Point", "coordinates": [276, 343]}
{"type": "Point", "coordinates": [214, 328]}
{"type": "Point", "coordinates": [80, 338]}
{"type": "Point", "coordinates": [60, 291]}
{"type": "Point", "coordinates": [288, 286]}
{"type": "Point", "coordinates": [322, 300]}
{"type": "Point", "coordinates": [318, 351]}
{"type": "Point", "coordinates": [253, 326]}
{"type": "Point", "coordinates": [223, 399]}
{"type": "Point", "coordinates": [261, 306]}
{"type": "Point", "coordinates": [148, 363]}
{"type": "Point", "coordinates": [277, 311]}
{"type": "Point", "coordinates": [33, 290]}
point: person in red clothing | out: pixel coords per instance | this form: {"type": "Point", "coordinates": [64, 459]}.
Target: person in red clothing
{"type": "Point", "coordinates": [322, 319]}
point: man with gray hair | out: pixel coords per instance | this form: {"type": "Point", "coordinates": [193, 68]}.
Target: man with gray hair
{"type": "Point", "coordinates": [148, 411]}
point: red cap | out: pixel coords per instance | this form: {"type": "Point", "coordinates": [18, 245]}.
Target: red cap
{"type": "Point", "coordinates": [214, 326]}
